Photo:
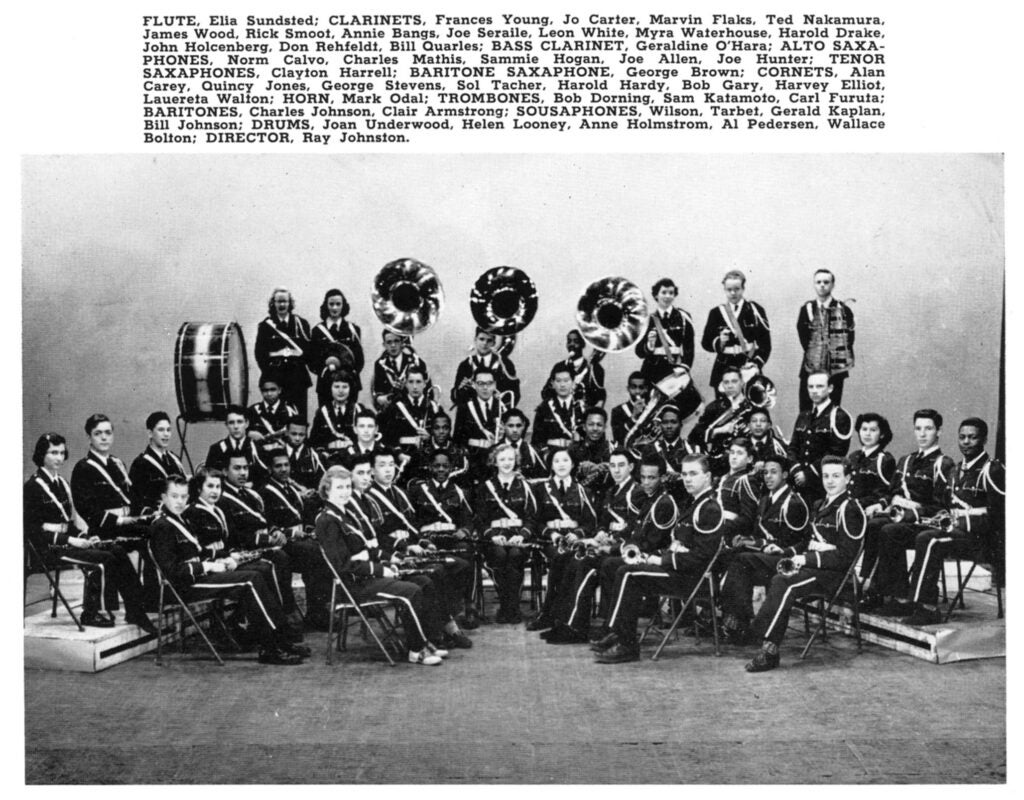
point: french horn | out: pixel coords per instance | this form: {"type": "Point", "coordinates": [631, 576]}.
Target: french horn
{"type": "Point", "coordinates": [407, 296]}
{"type": "Point", "coordinates": [611, 314]}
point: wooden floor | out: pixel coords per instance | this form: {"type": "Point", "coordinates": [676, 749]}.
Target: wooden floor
{"type": "Point", "coordinates": [515, 710]}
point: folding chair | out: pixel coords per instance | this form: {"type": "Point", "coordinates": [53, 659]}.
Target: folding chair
{"type": "Point", "coordinates": [819, 599]}
{"type": "Point", "coordinates": [371, 609]}
{"type": "Point", "coordinates": [35, 563]}
{"type": "Point", "coordinates": [184, 610]}
{"type": "Point", "coordinates": [962, 581]}
{"type": "Point", "coordinates": [707, 579]}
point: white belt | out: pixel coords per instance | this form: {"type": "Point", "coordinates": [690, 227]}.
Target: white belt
{"type": "Point", "coordinates": [559, 442]}
{"type": "Point", "coordinates": [437, 527]}
{"type": "Point", "coordinates": [120, 511]}
{"type": "Point", "coordinates": [480, 443]}
{"type": "Point", "coordinates": [409, 440]}
{"type": "Point", "coordinates": [560, 524]}
{"type": "Point", "coordinates": [507, 523]}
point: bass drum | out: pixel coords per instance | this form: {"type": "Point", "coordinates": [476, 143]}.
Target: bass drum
{"type": "Point", "coordinates": [211, 370]}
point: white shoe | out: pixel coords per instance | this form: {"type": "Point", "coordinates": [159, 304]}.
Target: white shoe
{"type": "Point", "coordinates": [433, 649]}
{"type": "Point", "coordinates": [424, 657]}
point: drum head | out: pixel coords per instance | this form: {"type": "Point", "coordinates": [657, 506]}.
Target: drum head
{"type": "Point", "coordinates": [210, 370]}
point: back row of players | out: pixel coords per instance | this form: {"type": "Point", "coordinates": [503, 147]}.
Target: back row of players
{"type": "Point", "coordinates": [373, 487]}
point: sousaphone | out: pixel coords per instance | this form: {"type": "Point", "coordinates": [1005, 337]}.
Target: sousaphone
{"type": "Point", "coordinates": [503, 302]}
{"type": "Point", "coordinates": [407, 296]}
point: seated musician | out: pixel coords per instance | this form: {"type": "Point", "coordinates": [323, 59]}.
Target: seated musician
{"type": "Point", "coordinates": [975, 501]}
{"type": "Point", "coordinates": [782, 530]}
{"type": "Point", "coordinates": [837, 528]}
{"type": "Point", "coordinates": [440, 428]}
{"type": "Point", "coordinates": [248, 529]}
{"type": "Point", "coordinates": [565, 515]}
{"type": "Point", "coordinates": [587, 374]}
{"type": "Point", "coordinates": [485, 357]}
{"type": "Point", "coordinates": [574, 598]}
{"type": "Point", "coordinates": [101, 490]}
{"type": "Point", "coordinates": [657, 513]}
{"type": "Point", "coordinates": [403, 425]}
{"type": "Point", "coordinates": [389, 512]}
{"type": "Point", "coordinates": [722, 420]}
{"type": "Point", "coordinates": [740, 489]}
{"type": "Point", "coordinates": [872, 467]}
{"type": "Point", "coordinates": [506, 510]}
{"type": "Point", "coordinates": [591, 453]}
{"type": "Point", "coordinates": [307, 467]}
{"type": "Point", "coordinates": [515, 424]}
{"type": "Point", "coordinates": [918, 491]}
{"type": "Point", "coordinates": [151, 469]}
{"type": "Point", "coordinates": [824, 429]}
{"type": "Point", "coordinates": [625, 415]}
{"type": "Point", "coordinates": [670, 446]}
{"type": "Point", "coordinates": [335, 329]}
{"type": "Point", "coordinates": [57, 532]}
{"type": "Point", "coordinates": [477, 425]}
{"type": "Point", "coordinates": [694, 537]}
{"type": "Point", "coordinates": [350, 545]}
{"type": "Point", "coordinates": [195, 576]}
{"type": "Point", "coordinates": [269, 418]}
{"type": "Point", "coordinates": [764, 441]}
{"type": "Point", "coordinates": [558, 420]}
{"type": "Point", "coordinates": [444, 517]}
{"type": "Point", "coordinates": [668, 342]}
{"type": "Point", "coordinates": [209, 525]}
{"type": "Point", "coordinates": [367, 439]}
{"type": "Point", "coordinates": [333, 429]}
{"type": "Point", "coordinates": [237, 441]}
{"type": "Point", "coordinates": [391, 367]}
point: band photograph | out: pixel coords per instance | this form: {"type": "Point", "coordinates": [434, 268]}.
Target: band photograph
{"type": "Point", "coordinates": [514, 469]}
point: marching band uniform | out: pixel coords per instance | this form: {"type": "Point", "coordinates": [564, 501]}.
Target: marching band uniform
{"type": "Point", "coordinates": [509, 510]}
{"type": "Point", "coordinates": [530, 463]}
{"type": "Point", "coordinates": [753, 324]}
{"type": "Point", "coordinates": [269, 419]}
{"type": "Point", "coordinates": [671, 453]}
{"type": "Point", "coordinates": [477, 427]}
{"type": "Point", "coordinates": [783, 519]}
{"type": "Point", "coordinates": [767, 445]}
{"type": "Point", "coordinates": [419, 466]}
{"type": "Point", "coordinates": [273, 336]}
{"type": "Point", "coordinates": [718, 412]}
{"type": "Point", "coordinates": [306, 466]}
{"type": "Point", "coordinates": [322, 337]}
{"type": "Point", "coordinates": [219, 454]}
{"type": "Point", "coordinates": [738, 494]}
{"type": "Point", "coordinates": [678, 325]}
{"type": "Point", "coordinates": [819, 432]}
{"type": "Point", "coordinates": [334, 422]}
{"type": "Point", "coordinates": [871, 476]}
{"type": "Point", "coordinates": [826, 334]}
{"type": "Point", "coordinates": [148, 477]}
{"type": "Point", "coordinates": [623, 419]}
{"type": "Point", "coordinates": [587, 380]}
{"type": "Point", "coordinates": [47, 502]}
{"type": "Point", "coordinates": [499, 365]}
{"type": "Point", "coordinates": [558, 422]}
{"type": "Point", "coordinates": [389, 375]}
{"type": "Point", "coordinates": [401, 422]}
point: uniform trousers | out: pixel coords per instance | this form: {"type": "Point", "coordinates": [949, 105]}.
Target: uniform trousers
{"type": "Point", "coordinates": [452, 579]}
{"type": "Point", "coordinates": [467, 552]}
{"type": "Point", "coordinates": [146, 571]}
{"type": "Point", "coordinates": [891, 575]}
{"type": "Point", "coordinates": [872, 544]}
{"type": "Point", "coordinates": [109, 573]}
{"type": "Point", "coordinates": [506, 565]}
{"type": "Point", "coordinates": [635, 582]}
{"type": "Point", "coordinates": [416, 601]}
{"type": "Point", "coordinates": [250, 589]}
{"type": "Point", "coordinates": [745, 571]}
{"type": "Point", "coordinates": [575, 600]}
{"type": "Point", "coordinates": [931, 547]}
{"type": "Point", "coordinates": [773, 617]}
{"type": "Point", "coordinates": [304, 556]}
{"type": "Point", "coordinates": [558, 572]}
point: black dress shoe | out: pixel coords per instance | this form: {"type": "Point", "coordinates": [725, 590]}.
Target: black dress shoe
{"type": "Point", "coordinates": [563, 634]}
{"type": "Point", "coordinates": [457, 641]}
{"type": "Point", "coordinates": [96, 621]}
{"type": "Point", "coordinates": [540, 623]}
{"type": "Point", "coordinates": [619, 653]}
{"type": "Point", "coordinates": [143, 622]}
{"type": "Point", "coordinates": [763, 662]}
{"type": "Point", "coordinates": [605, 642]}
{"type": "Point", "coordinates": [278, 657]}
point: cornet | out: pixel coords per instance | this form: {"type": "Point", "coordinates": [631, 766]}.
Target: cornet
{"type": "Point", "coordinates": [632, 554]}
{"type": "Point", "coordinates": [786, 567]}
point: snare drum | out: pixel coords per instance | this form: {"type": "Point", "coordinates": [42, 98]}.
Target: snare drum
{"type": "Point", "coordinates": [211, 370]}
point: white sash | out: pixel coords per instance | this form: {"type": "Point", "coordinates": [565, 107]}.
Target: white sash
{"type": "Point", "coordinates": [480, 424]}
{"type": "Point", "coordinates": [185, 531]}
{"type": "Point", "coordinates": [217, 514]}
{"type": "Point", "coordinates": [391, 507]}
{"type": "Point", "coordinates": [284, 500]}
{"type": "Point", "coordinates": [110, 480]}
{"type": "Point", "coordinates": [59, 504]}
{"type": "Point", "coordinates": [507, 511]}
{"type": "Point", "coordinates": [558, 506]}
{"type": "Point", "coordinates": [436, 504]}
{"type": "Point", "coordinates": [558, 418]}
{"type": "Point", "coordinates": [282, 334]}
{"type": "Point", "coordinates": [237, 498]}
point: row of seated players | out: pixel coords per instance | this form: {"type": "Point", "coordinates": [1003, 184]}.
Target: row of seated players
{"type": "Point", "coordinates": [922, 483]}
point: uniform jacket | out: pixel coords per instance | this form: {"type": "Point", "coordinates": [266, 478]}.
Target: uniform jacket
{"type": "Point", "coordinates": [247, 521]}
{"type": "Point", "coordinates": [149, 473]}
{"type": "Point", "coordinates": [504, 376]}
{"type": "Point", "coordinates": [266, 419]}
{"type": "Point", "coordinates": [98, 489]}
{"type": "Point", "coordinates": [871, 476]}
{"type": "Point", "coordinates": [923, 478]}
{"type": "Point", "coordinates": [445, 503]}
{"type": "Point", "coordinates": [273, 335]}
{"type": "Point", "coordinates": [219, 454]}
{"type": "Point", "coordinates": [819, 433]}
{"type": "Point", "coordinates": [783, 519]}
{"type": "Point", "coordinates": [678, 325]}
{"type": "Point", "coordinates": [702, 526]}
{"type": "Point", "coordinates": [753, 323]}
{"type": "Point", "coordinates": [492, 498]}
{"type": "Point", "coordinates": [209, 524]}
{"type": "Point", "coordinates": [389, 374]}
{"type": "Point", "coordinates": [559, 503]}
{"type": "Point", "coordinates": [47, 500]}
{"type": "Point", "coordinates": [331, 423]}
{"type": "Point", "coordinates": [557, 421]}
{"type": "Point", "coordinates": [345, 332]}
{"type": "Point", "coordinates": [839, 521]}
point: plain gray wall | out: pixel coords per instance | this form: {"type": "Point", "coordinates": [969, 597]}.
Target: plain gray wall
{"type": "Point", "coordinates": [120, 250]}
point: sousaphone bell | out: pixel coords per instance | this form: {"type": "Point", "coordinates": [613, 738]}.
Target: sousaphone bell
{"type": "Point", "coordinates": [407, 296]}
{"type": "Point", "coordinates": [611, 314]}
{"type": "Point", "coordinates": [503, 302]}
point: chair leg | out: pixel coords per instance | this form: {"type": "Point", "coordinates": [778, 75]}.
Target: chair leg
{"type": "Point", "coordinates": [961, 582]}
{"type": "Point", "coordinates": [960, 592]}
{"type": "Point", "coordinates": [714, 617]}
{"type": "Point", "coordinates": [821, 610]}
{"type": "Point", "coordinates": [55, 588]}
{"type": "Point", "coordinates": [195, 623]}
{"type": "Point", "coordinates": [330, 624]}
{"type": "Point", "coordinates": [999, 601]}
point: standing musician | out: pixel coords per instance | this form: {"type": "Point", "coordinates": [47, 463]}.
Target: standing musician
{"type": "Point", "coordinates": [587, 374]}
{"type": "Point", "coordinates": [872, 467]}
{"type": "Point", "coordinates": [55, 530]}
{"type": "Point", "coordinates": [626, 415]}
{"type": "Point", "coordinates": [334, 423]}
{"type": "Point", "coordinates": [782, 530]}
{"type": "Point", "coordinates": [920, 487]}
{"type": "Point", "coordinates": [478, 421]}
{"type": "Point", "coordinates": [657, 514]}
{"type": "Point", "coordinates": [444, 516]}
{"type": "Point", "coordinates": [151, 469]}
{"type": "Point", "coordinates": [558, 420]}
{"type": "Point", "coordinates": [515, 424]}
{"type": "Point", "coordinates": [566, 515]}
{"type": "Point", "coordinates": [837, 528]}
{"type": "Point", "coordinates": [390, 368]}
{"type": "Point", "coordinates": [574, 598]}
{"type": "Point", "coordinates": [724, 419]}
{"type": "Point", "coordinates": [484, 357]}
{"type": "Point", "coordinates": [441, 439]}
{"type": "Point", "coordinates": [335, 343]}
{"type": "Point", "coordinates": [248, 529]}
{"type": "Point", "coordinates": [737, 331]}
{"type": "Point", "coordinates": [209, 524]}
{"type": "Point", "coordinates": [823, 429]}
{"type": "Point", "coordinates": [283, 345]}
{"type": "Point", "coordinates": [826, 331]}
{"type": "Point", "coordinates": [102, 493]}
{"type": "Point", "coordinates": [269, 417]}
{"type": "Point", "coordinates": [196, 577]}
{"type": "Point", "coordinates": [668, 342]}
{"type": "Point", "coordinates": [403, 424]}
{"type": "Point", "coordinates": [675, 568]}
{"type": "Point", "coordinates": [506, 511]}
{"type": "Point", "coordinates": [307, 467]}
{"type": "Point", "coordinates": [592, 453]}
{"type": "Point", "coordinates": [237, 442]}
{"type": "Point", "coordinates": [763, 440]}
{"type": "Point", "coordinates": [349, 543]}
{"type": "Point", "coordinates": [976, 503]}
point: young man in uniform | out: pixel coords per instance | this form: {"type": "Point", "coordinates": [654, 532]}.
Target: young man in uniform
{"type": "Point", "coordinates": [727, 322]}
{"type": "Point", "coordinates": [822, 430]}
{"type": "Point", "coordinates": [484, 357]}
{"type": "Point", "coordinates": [237, 441]}
{"type": "Point", "coordinates": [478, 421]}
{"type": "Point", "coordinates": [151, 469]}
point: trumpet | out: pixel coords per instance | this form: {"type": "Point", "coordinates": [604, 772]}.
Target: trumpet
{"type": "Point", "coordinates": [786, 567]}
{"type": "Point", "coordinates": [943, 521]}
{"type": "Point", "coordinates": [632, 554]}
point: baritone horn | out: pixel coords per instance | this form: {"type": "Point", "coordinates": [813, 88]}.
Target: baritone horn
{"type": "Point", "coordinates": [611, 314]}
{"type": "Point", "coordinates": [407, 296]}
